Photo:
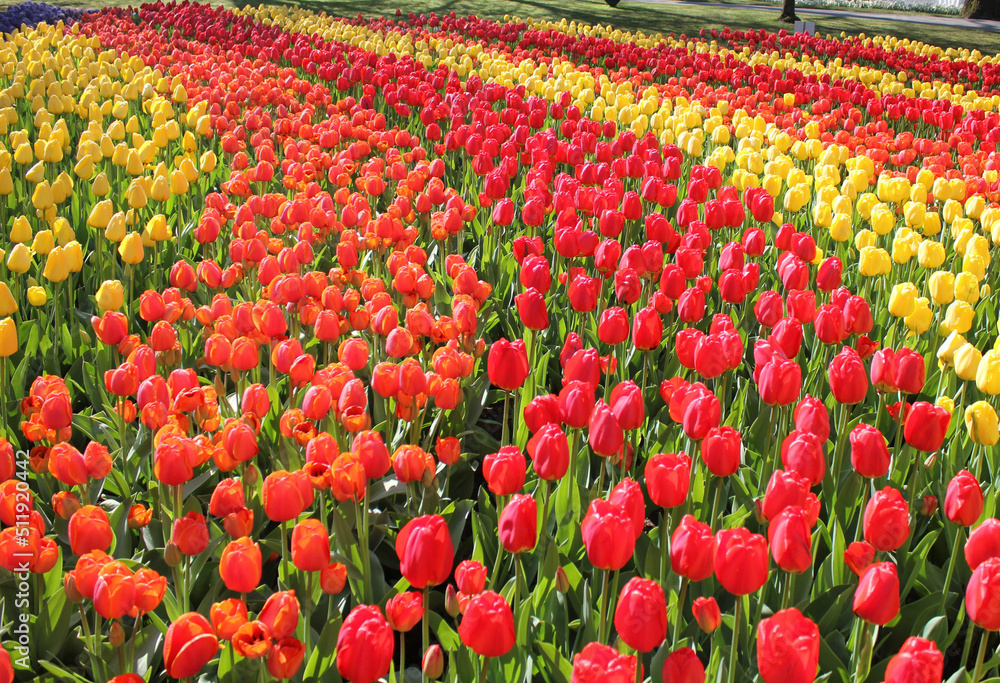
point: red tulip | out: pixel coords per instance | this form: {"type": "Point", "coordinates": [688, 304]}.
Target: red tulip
{"type": "Point", "coordinates": [740, 560]}
{"type": "Point", "coordinates": [802, 452]}
{"type": "Point", "coordinates": [887, 520]}
{"type": "Point", "coordinates": [790, 537]}
{"type": "Point", "coordinates": [549, 451]}
{"type": "Point", "coordinates": [918, 661]}
{"type": "Point", "coordinates": [605, 434]}
{"type": "Point", "coordinates": [963, 503]}
{"type": "Point", "coordinates": [487, 627]}
{"type": "Point", "coordinates": [518, 525]}
{"type": "Point", "coordinates": [668, 478]}
{"type": "Point", "coordinates": [505, 470]}
{"type": "Point", "coordinates": [507, 364]}
{"type": "Point", "coordinates": [364, 645]}
{"type": "Point", "coordinates": [683, 666]}
{"type": "Point", "coordinates": [425, 551]}
{"type": "Point", "coordinates": [858, 556]}
{"type": "Point", "coordinates": [910, 371]}
{"type": "Point", "coordinates": [925, 426]}
{"type": "Point", "coordinates": [706, 613]}
{"type": "Point", "coordinates": [869, 451]}
{"type": "Point", "coordinates": [848, 379]}
{"type": "Point", "coordinates": [189, 645]}
{"type": "Point", "coordinates": [788, 648]}
{"type": "Point", "coordinates": [720, 449]}
{"type": "Point", "coordinates": [877, 597]}
{"type": "Point", "coordinates": [981, 595]}
{"type": "Point", "coordinates": [641, 614]}
{"type": "Point", "coordinates": [983, 543]}
{"type": "Point", "coordinates": [693, 549]}
{"type": "Point", "coordinates": [405, 610]}
{"type": "Point", "coordinates": [607, 535]}
{"type": "Point", "coordinates": [810, 415]}
{"type": "Point", "coordinates": [599, 663]}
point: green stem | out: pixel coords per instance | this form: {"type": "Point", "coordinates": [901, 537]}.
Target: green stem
{"type": "Point", "coordinates": [605, 594]}
{"type": "Point", "coordinates": [735, 645]}
{"type": "Point", "coordinates": [425, 626]}
{"type": "Point", "coordinates": [678, 613]}
{"type": "Point", "coordinates": [978, 673]}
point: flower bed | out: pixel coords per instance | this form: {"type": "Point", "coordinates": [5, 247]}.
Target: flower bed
{"type": "Point", "coordinates": [332, 347]}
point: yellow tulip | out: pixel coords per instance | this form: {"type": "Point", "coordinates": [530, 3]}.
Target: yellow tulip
{"type": "Point", "coordinates": [946, 352]}
{"type": "Point", "coordinates": [160, 191]}
{"type": "Point", "coordinates": [874, 261]}
{"type": "Point", "coordinates": [20, 232]}
{"type": "Point", "coordinates": [959, 316]}
{"type": "Point", "coordinates": [41, 197]}
{"type": "Point", "coordinates": [942, 286]}
{"type": "Point", "coordinates": [158, 229]}
{"type": "Point", "coordinates": [110, 295]}
{"type": "Point", "coordinates": [131, 249]}
{"type": "Point", "coordinates": [207, 162]}
{"type": "Point", "coordinates": [8, 338]}
{"type": "Point", "coordinates": [73, 252]}
{"type": "Point", "coordinates": [100, 187]}
{"type": "Point", "coordinates": [101, 214]}
{"type": "Point", "coordinates": [19, 259]}
{"type": "Point", "coordinates": [136, 196]}
{"type": "Point", "coordinates": [967, 360]}
{"type": "Point", "coordinates": [967, 287]}
{"type": "Point", "coordinates": [43, 242]}
{"type": "Point", "coordinates": [178, 183]}
{"type": "Point", "coordinates": [982, 423]}
{"type": "Point", "coordinates": [7, 304]}
{"type": "Point", "coordinates": [946, 402]}
{"type": "Point", "coordinates": [919, 320]}
{"type": "Point", "coordinates": [37, 296]}
{"type": "Point", "coordinates": [902, 299]}
{"type": "Point", "coordinates": [56, 266]}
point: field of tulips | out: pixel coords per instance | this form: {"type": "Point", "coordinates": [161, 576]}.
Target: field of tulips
{"type": "Point", "coordinates": [444, 348]}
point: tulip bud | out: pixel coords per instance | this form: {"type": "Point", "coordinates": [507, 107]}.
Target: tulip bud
{"type": "Point", "coordinates": [69, 587]}
{"type": "Point", "coordinates": [116, 634]}
{"type": "Point", "coordinates": [451, 605]}
{"type": "Point", "coordinates": [706, 613]}
{"type": "Point", "coordinates": [428, 478]}
{"type": "Point", "coordinates": [251, 474]}
{"type": "Point", "coordinates": [928, 506]}
{"type": "Point", "coordinates": [433, 662]}
{"type": "Point", "coordinates": [172, 555]}
{"type": "Point", "coordinates": [562, 581]}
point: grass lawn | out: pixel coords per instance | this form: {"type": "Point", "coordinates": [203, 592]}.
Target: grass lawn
{"type": "Point", "coordinates": [678, 18]}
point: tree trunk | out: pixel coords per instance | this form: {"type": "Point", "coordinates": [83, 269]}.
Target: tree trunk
{"type": "Point", "coordinates": [788, 11]}
{"type": "Point", "coordinates": [981, 9]}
